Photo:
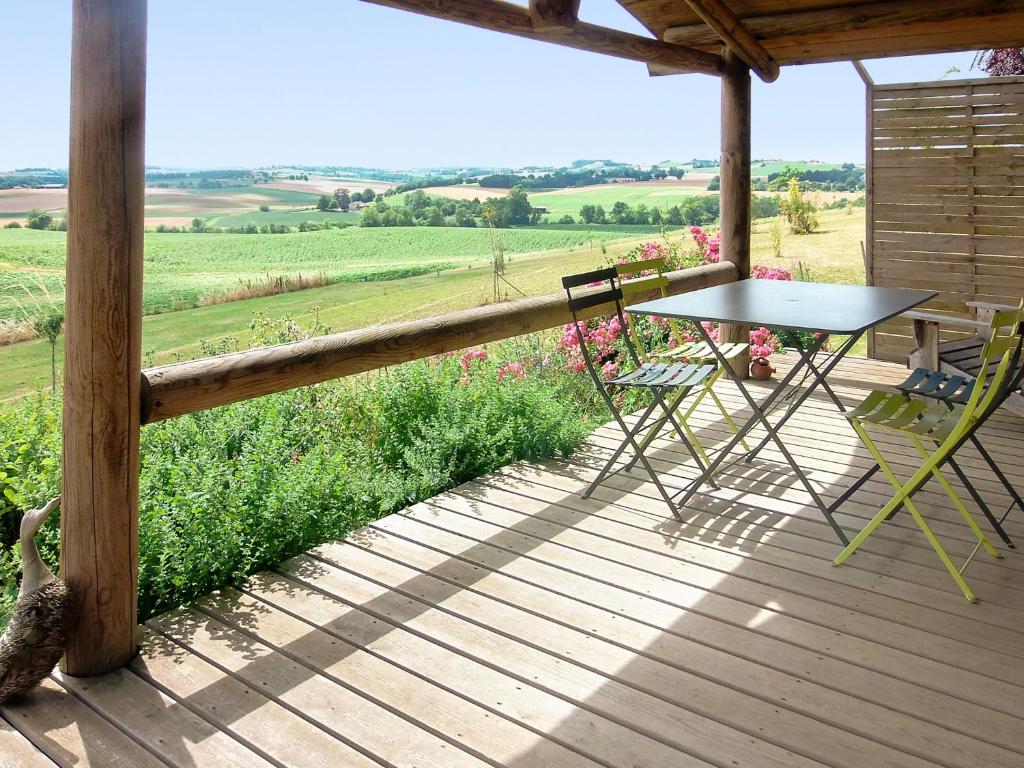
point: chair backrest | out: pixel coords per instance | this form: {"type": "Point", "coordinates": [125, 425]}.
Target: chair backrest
{"type": "Point", "coordinates": [604, 289]}
{"type": "Point", "coordinates": [634, 283]}
{"type": "Point", "coordinates": [1002, 348]}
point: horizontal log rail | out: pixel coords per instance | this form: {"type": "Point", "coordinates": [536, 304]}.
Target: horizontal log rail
{"type": "Point", "coordinates": [197, 385]}
{"type": "Point", "coordinates": [512, 19]}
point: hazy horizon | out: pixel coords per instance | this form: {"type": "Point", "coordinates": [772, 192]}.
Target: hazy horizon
{"type": "Point", "coordinates": [256, 84]}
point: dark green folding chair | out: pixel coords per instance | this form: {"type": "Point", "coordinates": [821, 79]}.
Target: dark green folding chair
{"type": "Point", "coordinates": [638, 278]}
{"type": "Point", "coordinates": [948, 427]}
{"type": "Point", "coordinates": [667, 383]}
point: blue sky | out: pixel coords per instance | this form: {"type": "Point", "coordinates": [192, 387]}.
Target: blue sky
{"type": "Point", "coordinates": [255, 82]}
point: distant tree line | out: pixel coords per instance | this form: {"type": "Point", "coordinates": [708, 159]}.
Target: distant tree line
{"type": "Point", "coordinates": [563, 179]}
{"type": "Point", "coordinates": [342, 199]}
{"type": "Point", "coordinates": [201, 226]}
{"type": "Point", "coordinates": [693, 211]}
{"type": "Point", "coordinates": [846, 178]}
{"type": "Point", "coordinates": [16, 180]}
{"type": "Point", "coordinates": [420, 209]}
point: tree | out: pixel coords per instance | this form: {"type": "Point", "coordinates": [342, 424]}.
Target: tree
{"type": "Point", "coordinates": [621, 213]}
{"type": "Point", "coordinates": [39, 219]}
{"type": "Point", "coordinates": [567, 219]}
{"type": "Point", "coordinates": [599, 215]}
{"type": "Point", "coordinates": [199, 225]}
{"type": "Point", "coordinates": [799, 211]}
{"type": "Point", "coordinates": [1000, 62]}
{"type": "Point", "coordinates": [49, 325]}
{"type": "Point", "coordinates": [715, 184]}
{"type": "Point", "coordinates": [264, 208]}
{"type": "Point", "coordinates": [342, 199]}
{"type": "Point", "coordinates": [327, 203]}
{"type": "Point", "coordinates": [588, 214]}
{"type": "Point", "coordinates": [369, 195]}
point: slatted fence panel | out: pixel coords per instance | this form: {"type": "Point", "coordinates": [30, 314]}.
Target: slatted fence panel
{"type": "Point", "coordinates": [946, 196]}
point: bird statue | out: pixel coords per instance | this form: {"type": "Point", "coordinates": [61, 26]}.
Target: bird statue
{"type": "Point", "coordinates": [36, 634]}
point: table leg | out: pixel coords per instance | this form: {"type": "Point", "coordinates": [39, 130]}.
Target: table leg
{"type": "Point", "coordinates": [759, 415]}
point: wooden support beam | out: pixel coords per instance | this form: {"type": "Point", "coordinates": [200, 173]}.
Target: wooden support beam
{"type": "Point", "coordinates": [735, 185]}
{"type": "Point", "coordinates": [554, 14]}
{"type": "Point", "coordinates": [103, 347]}
{"type": "Point", "coordinates": [512, 19]}
{"type": "Point", "coordinates": [174, 390]}
{"type": "Point", "coordinates": [737, 37]}
{"type": "Point", "coordinates": [871, 29]}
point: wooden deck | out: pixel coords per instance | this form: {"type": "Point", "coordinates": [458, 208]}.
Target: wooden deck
{"type": "Point", "coordinates": [512, 623]}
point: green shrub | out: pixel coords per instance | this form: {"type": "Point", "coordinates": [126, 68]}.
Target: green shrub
{"type": "Point", "coordinates": [227, 492]}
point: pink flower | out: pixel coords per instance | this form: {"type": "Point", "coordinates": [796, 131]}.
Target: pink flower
{"type": "Point", "coordinates": [470, 355]}
{"type": "Point", "coordinates": [511, 369]}
{"type": "Point", "coordinates": [761, 272]}
{"type": "Point", "coordinates": [711, 328]}
{"type": "Point", "coordinates": [610, 370]}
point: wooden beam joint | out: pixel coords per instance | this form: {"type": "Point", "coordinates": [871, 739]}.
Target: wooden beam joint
{"type": "Point", "coordinates": [554, 14]}
{"type": "Point", "coordinates": [737, 37]}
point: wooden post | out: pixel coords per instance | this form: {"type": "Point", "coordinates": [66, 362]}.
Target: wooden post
{"type": "Point", "coordinates": [869, 187]}
{"type": "Point", "coordinates": [102, 365]}
{"type": "Point", "coordinates": [735, 184]}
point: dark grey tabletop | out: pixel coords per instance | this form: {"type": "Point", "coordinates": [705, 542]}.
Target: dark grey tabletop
{"type": "Point", "coordinates": [838, 309]}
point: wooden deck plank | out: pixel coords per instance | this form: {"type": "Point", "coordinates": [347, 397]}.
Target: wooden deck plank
{"type": "Point", "coordinates": [723, 674]}
{"type": "Point", "coordinates": [71, 734]}
{"type": "Point", "coordinates": [235, 708]}
{"type": "Point", "coordinates": [306, 669]}
{"type": "Point", "coordinates": [608, 609]}
{"type": "Point", "coordinates": [523, 701]}
{"type": "Point", "coordinates": [160, 724]}
{"type": "Point", "coordinates": [510, 622]}
{"type": "Point", "coordinates": [18, 752]}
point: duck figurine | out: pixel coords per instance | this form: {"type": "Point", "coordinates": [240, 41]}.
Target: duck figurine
{"type": "Point", "coordinates": [36, 635]}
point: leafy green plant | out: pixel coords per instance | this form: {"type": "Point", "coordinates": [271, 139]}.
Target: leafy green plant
{"type": "Point", "coordinates": [49, 325]}
{"type": "Point", "coordinates": [798, 210]}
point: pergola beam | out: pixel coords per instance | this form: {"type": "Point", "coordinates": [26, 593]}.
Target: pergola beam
{"type": "Point", "coordinates": [554, 14]}
{"type": "Point", "coordinates": [500, 16]}
{"type": "Point", "coordinates": [737, 37]}
{"type": "Point", "coordinates": [826, 28]}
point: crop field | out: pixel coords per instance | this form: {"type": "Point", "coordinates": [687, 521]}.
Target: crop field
{"type": "Point", "coordinates": [831, 255]}
{"type": "Point", "coordinates": [288, 216]}
{"type": "Point", "coordinates": [652, 194]}
{"type": "Point", "coordinates": [181, 268]}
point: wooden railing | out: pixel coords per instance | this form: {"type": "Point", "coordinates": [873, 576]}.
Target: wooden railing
{"type": "Point", "coordinates": [174, 390]}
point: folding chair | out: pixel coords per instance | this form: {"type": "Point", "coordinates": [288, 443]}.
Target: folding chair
{"type": "Point", "coordinates": [668, 383]}
{"type": "Point", "coordinates": [954, 389]}
{"type": "Point", "coordinates": [687, 351]}
{"type": "Point", "coordinates": [948, 427]}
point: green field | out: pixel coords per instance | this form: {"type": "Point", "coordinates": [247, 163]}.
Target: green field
{"type": "Point", "coordinates": [832, 255]}
{"type": "Point", "coordinates": [569, 201]}
{"type": "Point", "coordinates": [289, 217]}
{"type": "Point", "coordinates": [181, 268]}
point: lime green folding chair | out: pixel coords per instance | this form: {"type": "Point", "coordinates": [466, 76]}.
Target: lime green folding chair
{"type": "Point", "coordinates": [633, 282]}
{"type": "Point", "coordinates": [947, 427]}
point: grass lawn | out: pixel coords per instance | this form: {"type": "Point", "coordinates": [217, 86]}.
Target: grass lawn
{"type": "Point", "coordinates": [831, 255]}
{"type": "Point", "coordinates": [569, 201]}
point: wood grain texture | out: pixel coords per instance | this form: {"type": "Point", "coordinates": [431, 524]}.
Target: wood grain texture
{"type": "Point", "coordinates": [545, 14]}
{"type": "Point", "coordinates": [805, 31]}
{"type": "Point", "coordinates": [735, 186]}
{"type": "Point", "coordinates": [512, 19]}
{"type": "Point", "coordinates": [173, 390]}
{"type": "Point", "coordinates": [734, 34]}
{"type": "Point", "coordinates": [945, 190]}
{"type": "Point", "coordinates": [103, 344]}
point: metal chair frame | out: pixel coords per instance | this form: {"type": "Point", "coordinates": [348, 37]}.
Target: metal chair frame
{"type": "Point", "coordinates": [949, 428]}
{"type": "Point", "coordinates": [660, 379]}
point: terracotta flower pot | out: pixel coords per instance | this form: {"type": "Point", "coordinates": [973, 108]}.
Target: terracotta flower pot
{"type": "Point", "coordinates": [760, 369]}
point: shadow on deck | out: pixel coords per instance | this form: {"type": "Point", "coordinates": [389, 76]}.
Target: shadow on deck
{"type": "Point", "coordinates": [511, 623]}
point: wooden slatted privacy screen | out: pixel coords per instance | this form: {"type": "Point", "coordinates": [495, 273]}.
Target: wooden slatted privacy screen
{"type": "Point", "coordinates": [945, 196]}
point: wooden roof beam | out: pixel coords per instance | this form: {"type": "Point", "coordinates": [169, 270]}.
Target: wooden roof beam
{"type": "Point", "coordinates": [553, 14]}
{"type": "Point", "coordinates": [737, 37]}
{"type": "Point", "coordinates": [500, 16]}
{"type": "Point", "coordinates": [905, 14]}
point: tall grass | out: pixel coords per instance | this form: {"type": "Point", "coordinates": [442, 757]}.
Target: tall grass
{"type": "Point", "coordinates": [271, 286]}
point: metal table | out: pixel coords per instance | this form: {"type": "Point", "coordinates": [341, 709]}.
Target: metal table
{"type": "Point", "coordinates": [787, 307]}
